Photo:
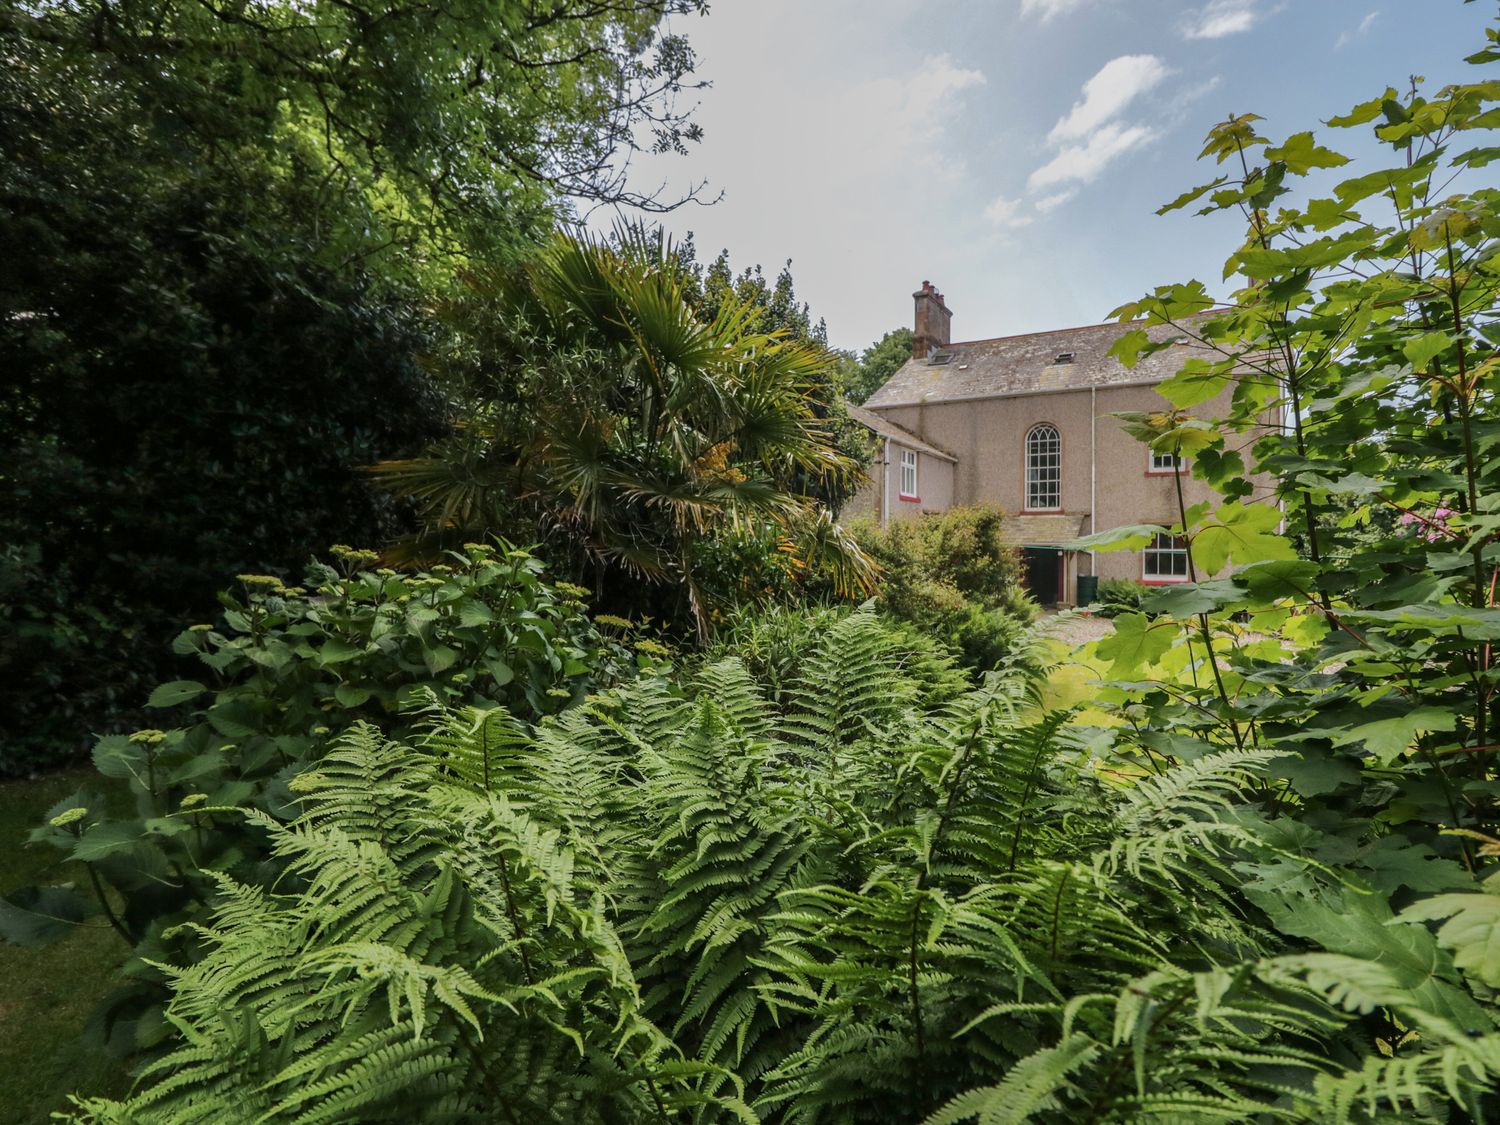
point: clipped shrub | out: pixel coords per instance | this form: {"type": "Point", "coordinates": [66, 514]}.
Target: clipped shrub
{"type": "Point", "coordinates": [954, 576]}
{"type": "Point", "coordinates": [288, 670]}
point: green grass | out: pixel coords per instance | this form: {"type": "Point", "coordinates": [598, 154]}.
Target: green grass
{"type": "Point", "coordinates": [46, 993]}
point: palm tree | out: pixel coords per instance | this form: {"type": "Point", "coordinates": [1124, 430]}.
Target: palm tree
{"type": "Point", "coordinates": [604, 406]}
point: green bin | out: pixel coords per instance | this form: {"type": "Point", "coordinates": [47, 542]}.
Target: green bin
{"type": "Point", "coordinates": [1088, 589]}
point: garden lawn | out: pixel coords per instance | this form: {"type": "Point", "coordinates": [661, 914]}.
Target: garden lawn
{"type": "Point", "coordinates": [46, 993]}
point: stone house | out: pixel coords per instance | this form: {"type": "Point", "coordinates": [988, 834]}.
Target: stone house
{"type": "Point", "coordinates": [1024, 423]}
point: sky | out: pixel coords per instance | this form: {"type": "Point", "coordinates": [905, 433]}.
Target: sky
{"type": "Point", "coordinates": [1013, 152]}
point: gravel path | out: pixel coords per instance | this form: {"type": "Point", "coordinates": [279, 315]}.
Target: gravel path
{"type": "Point", "coordinates": [1077, 629]}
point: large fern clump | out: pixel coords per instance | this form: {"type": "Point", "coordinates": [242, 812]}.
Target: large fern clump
{"type": "Point", "coordinates": [871, 900]}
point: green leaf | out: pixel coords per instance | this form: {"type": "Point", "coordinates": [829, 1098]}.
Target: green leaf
{"type": "Point", "coordinates": [1421, 351]}
{"type": "Point", "coordinates": [1190, 600]}
{"type": "Point", "coordinates": [1135, 643]}
{"type": "Point", "coordinates": [175, 692]}
{"type": "Point", "coordinates": [1300, 154]}
{"type": "Point", "coordinates": [105, 840]}
{"type": "Point", "coordinates": [1241, 534]}
{"type": "Point", "coordinates": [475, 613]}
{"type": "Point", "coordinates": [1361, 925]}
{"type": "Point", "coordinates": [1477, 624]}
{"type": "Point", "coordinates": [1314, 772]}
{"type": "Point", "coordinates": [1131, 537]}
{"type": "Point", "coordinates": [336, 651]}
{"type": "Point", "coordinates": [349, 695]}
{"type": "Point", "coordinates": [439, 657]}
{"type": "Point", "coordinates": [1189, 196]}
{"type": "Point", "coordinates": [117, 757]}
{"type": "Point", "coordinates": [1472, 931]}
{"type": "Point", "coordinates": [41, 915]}
{"type": "Point", "coordinates": [1363, 113]}
{"type": "Point", "coordinates": [1388, 739]}
{"type": "Point", "coordinates": [1197, 382]}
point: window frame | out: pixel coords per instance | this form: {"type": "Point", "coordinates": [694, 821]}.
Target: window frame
{"type": "Point", "coordinates": [1030, 482]}
{"type": "Point", "coordinates": [1154, 553]}
{"type": "Point", "coordinates": [909, 460]}
{"type": "Point", "coordinates": [1155, 470]}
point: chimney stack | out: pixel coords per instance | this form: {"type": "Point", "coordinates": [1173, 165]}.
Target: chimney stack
{"type": "Point", "coordinates": [933, 318]}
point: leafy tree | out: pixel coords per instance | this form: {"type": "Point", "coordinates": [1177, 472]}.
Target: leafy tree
{"type": "Point", "coordinates": [222, 227]}
{"type": "Point", "coordinates": [713, 287]}
{"type": "Point", "coordinates": [877, 363]}
{"type": "Point", "coordinates": [611, 413]}
{"type": "Point", "coordinates": [434, 129]}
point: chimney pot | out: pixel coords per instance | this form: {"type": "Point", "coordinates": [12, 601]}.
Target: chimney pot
{"type": "Point", "coordinates": [932, 321]}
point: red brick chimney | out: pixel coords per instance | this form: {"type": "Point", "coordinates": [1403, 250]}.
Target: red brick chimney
{"type": "Point", "coordinates": [932, 325]}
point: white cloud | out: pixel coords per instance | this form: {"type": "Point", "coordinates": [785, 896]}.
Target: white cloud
{"type": "Point", "coordinates": [1350, 34]}
{"type": "Point", "coordinates": [1219, 18]}
{"type": "Point", "coordinates": [1119, 82]}
{"type": "Point", "coordinates": [1082, 163]}
{"type": "Point", "coordinates": [901, 118]}
{"type": "Point", "coordinates": [1047, 204]}
{"type": "Point", "coordinates": [1007, 213]}
{"type": "Point", "coordinates": [1048, 9]}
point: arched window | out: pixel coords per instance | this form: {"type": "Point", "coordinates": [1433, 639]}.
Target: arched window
{"type": "Point", "coordinates": [1043, 468]}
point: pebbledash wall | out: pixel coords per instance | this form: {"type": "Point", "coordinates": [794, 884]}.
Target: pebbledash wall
{"type": "Point", "coordinates": [988, 439]}
{"type": "Point", "coordinates": [966, 408]}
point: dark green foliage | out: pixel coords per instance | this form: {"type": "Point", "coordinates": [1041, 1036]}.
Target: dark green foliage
{"type": "Point", "coordinates": [1120, 595]}
{"type": "Point", "coordinates": [604, 410]}
{"type": "Point", "coordinates": [279, 679]}
{"type": "Point", "coordinates": [876, 364]}
{"type": "Point", "coordinates": [775, 643]}
{"type": "Point", "coordinates": [686, 902]}
{"type": "Point", "coordinates": [202, 420]}
{"type": "Point", "coordinates": [220, 229]}
{"type": "Point", "coordinates": [955, 577]}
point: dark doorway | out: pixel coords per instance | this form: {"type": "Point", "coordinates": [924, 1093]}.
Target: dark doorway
{"type": "Point", "coordinates": [1043, 568]}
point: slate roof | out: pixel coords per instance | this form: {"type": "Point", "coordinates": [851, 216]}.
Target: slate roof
{"type": "Point", "coordinates": [1012, 365]}
{"type": "Point", "coordinates": [1043, 531]}
{"type": "Point", "coordinates": [885, 428]}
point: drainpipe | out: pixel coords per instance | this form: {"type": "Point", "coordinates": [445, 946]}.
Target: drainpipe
{"type": "Point", "coordinates": [1093, 471]}
{"type": "Point", "coordinates": [885, 486]}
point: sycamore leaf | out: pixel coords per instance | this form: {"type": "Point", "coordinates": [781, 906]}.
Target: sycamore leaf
{"type": "Point", "coordinates": [1135, 643]}
{"type": "Point", "coordinates": [1127, 349]}
{"type": "Point", "coordinates": [1365, 112]}
{"type": "Point", "coordinates": [1394, 862]}
{"type": "Point", "coordinates": [1362, 926]}
{"type": "Point", "coordinates": [1388, 739]}
{"type": "Point", "coordinates": [1190, 600]}
{"type": "Point", "coordinates": [1353, 484]}
{"type": "Point", "coordinates": [1424, 349]}
{"type": "Point", "coordinates": [1477, 624]}
{"type": "Point", "coordinates": [1472, 931]}
{"type": "Point", "coordinates": [1198, 381]}
{"type": "Point", "coordinates": [1130, 537]}
{"type": "Point", "coordinates": [1242, 534]}
{"type": "Point", "coordinates": [1189, 196]}
{"type": "Point", "coordinates": [1301, 154]}
{"type": "Point", "coordinates": [1314, 772]}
